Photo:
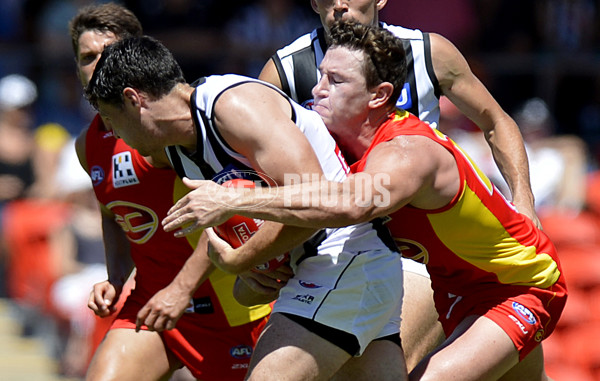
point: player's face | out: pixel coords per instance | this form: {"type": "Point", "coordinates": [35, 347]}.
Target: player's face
{"type": "Point", "coordinates": [362, 11]}
{"type": "Point", "coordinates": [126, 123]}
{"type": "Point", "coordinates": [91, 45]}
{"type": "Point", "coordinates": [341, 97]}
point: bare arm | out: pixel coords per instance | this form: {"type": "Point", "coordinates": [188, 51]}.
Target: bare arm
{"type": "Point", "coordinates": [466, 91]}
{"type": "Point", "coordinates": [269, 74]}
{"type": "Point", "coordinates": [165, 308]}
{"type": "Point", "coordinates": [396, 174]}
{"type": "Point", "coordinates": [261, 129]}
{"type": "Point", "coordinates": [119, 264]}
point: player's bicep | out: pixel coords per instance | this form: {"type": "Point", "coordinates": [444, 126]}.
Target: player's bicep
{"type": "Point", "coordinates": [270, 74]}
{"type": "Point", "coordinates": [399, 171]}
{"type": "Point", "coordinates": [80, 150]}
{"type": "Point", "coordinates": [261, 129]}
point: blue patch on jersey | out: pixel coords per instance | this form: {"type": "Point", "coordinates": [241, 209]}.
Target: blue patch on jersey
{"type": "Point", "coordinates": [97, 175]}
{"type": "Point", "coordinates": [405, 99]}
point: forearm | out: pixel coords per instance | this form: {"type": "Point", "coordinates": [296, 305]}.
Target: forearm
{"type": "Point", "coordinates": [196, 269]}
{"type": "Point", "coordinates": [509, 153]}
{"type": "Point", "coordinates": [247, 296]}
{"type": "Point", "coordinates": [118, 258]}
{"type": "Point", "coordinates": [316, 204]}
{"type": "Point", "coordinates": [270, 241]}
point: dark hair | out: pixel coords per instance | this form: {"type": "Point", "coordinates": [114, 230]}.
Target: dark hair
{"type": "Point", "coordinates": [109, 17]}
{"type": "Point", "coordinates": [142, 63]}
{"type": "Point", "coordinates": [385, 59]}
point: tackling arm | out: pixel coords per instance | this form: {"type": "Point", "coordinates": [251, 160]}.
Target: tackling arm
{"type": "Point", "coordinates": [472, 98]}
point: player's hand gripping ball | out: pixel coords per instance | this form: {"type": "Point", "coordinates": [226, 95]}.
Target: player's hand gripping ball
{"type": "Point", "coordinates": [238, 229]}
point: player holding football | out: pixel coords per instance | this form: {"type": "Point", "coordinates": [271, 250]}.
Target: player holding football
{"type": "Point", "coordinates": [498, 285]}
{"type": "Point", "coordinates": [214, 338]}
{"type": "Point", "coordinates": [347, 287]}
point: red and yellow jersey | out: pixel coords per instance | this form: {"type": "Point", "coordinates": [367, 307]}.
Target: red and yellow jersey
{"type": "Point", "coordinates": [479, 239]}
{"type": "Point", "coordinates": [140, 196]}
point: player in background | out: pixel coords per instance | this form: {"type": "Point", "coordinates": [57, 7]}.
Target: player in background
{"type": "Point", "coordinates": [150, 339]}
{"type": "Point", "coordinates": [435, 68]}
{"type": "Point", "coordinates": [498, 284]}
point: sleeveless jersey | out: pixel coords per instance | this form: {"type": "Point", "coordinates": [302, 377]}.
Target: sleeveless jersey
{"type": "Point", "coordinates": [476, 242]}
{"type": "Point", "coordinates": [140, 196]}
{"type": "Point", "coordinates": [215, 160]}
{"type": "Point", "coordinates": [298, 63]}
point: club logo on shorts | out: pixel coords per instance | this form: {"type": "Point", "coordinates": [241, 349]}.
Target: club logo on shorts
{"type": "Point", "coordinates": [241, 352]}
{"type": "Point", "coordinates": [308, 284]}
{"type": "Point", "coordinates": [539, 335]}
{"type": "Point", "coordinates": [524, 312]}
{"type": "Point", "coordinates": [97, 175]}
{"type": "Point", "coordinates": [519, 324]}
{"type": "Point", "coordinates": [307, 299]}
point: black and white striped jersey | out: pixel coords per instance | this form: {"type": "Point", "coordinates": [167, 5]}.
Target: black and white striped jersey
{"type": "Point", "coordinates": [297, 65]}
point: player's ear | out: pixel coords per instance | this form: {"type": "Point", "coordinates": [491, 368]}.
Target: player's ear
{"type": "Point", "coordinates": [314, 6]}
{"type": "Point", "coordinates": [132, 96]}
{"type": "Point", "coordinates": [381, 94]}
{"type": "Point", "coordinates": [380, 4]}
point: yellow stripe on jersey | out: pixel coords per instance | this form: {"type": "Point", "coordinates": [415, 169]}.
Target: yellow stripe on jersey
{"type": "Point", "coordinates": [222, 282]}
{"type": "Point", "coordinates": [471, 241]}
{"type": "Point", "coordinates": [235, 312]}
{"type": "Point", "coordinates": [483, 179]}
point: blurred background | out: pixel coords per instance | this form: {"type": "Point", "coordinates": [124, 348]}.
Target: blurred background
{"type": "Point", "coordinates": [540, 59]}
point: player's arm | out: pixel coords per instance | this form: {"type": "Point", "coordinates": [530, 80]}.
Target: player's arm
{"type": "Point", "coordinates": [270, 74]}
{"type": "Point", "coordinates": [119, 264]}
{"type": "Point", "coordinates": [472, 98]}
{"type": "Point", "coordinates": [261, 129]}
{"type": "Point", "coordinates": [165, 308]}
{"type": "Point", "coordinates": [396, 174]}
{"type": "Point", "coordinates": [249, 290]}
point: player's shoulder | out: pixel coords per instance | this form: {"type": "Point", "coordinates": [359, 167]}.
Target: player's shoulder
{"type": "Point", "coordinates": [402, 32]}
{"type": "Point", "coordinates": [302, 42]}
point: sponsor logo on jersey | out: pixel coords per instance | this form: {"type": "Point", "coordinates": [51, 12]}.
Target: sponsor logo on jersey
{"type": "Point", "coordinates": [524, 312]}
{"type": "Point", "coordinates": [242, 365]}
{"type": "Point", "coordinates": [97, 175]}
{"type": "Point", "coordinates": [307, 299]}
{"type": "Point", "coordinates": [308, 284]}
{"type": "Point", "coordinates": [405, 99]}
{"type": "Point", "coordinates": [241, 352]}
{"type": "Point", "coordinates": [123, 171]}
{"type": "Point", "coordinates": [137, 221]}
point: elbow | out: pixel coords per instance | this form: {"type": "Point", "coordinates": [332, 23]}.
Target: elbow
{"type": "Point", "coordinates": [354, 214]}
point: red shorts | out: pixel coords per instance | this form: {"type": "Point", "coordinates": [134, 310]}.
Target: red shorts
{"type": "Point", "coordinates": [210, 353]}
{"type": "Point", "coordinates": [527, 314]}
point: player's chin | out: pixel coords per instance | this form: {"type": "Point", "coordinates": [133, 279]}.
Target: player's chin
{"type": "Point", "coordinates": [322, 110]}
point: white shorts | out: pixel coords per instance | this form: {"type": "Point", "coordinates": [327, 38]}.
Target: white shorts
{"type": "Point", "coordinates": [357, 289]}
